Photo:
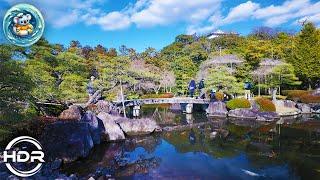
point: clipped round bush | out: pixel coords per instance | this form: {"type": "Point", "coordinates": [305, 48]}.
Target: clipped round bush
{"type": "Point", "coordinates": [238, 103]}
{"type": "Point", "coordinates": [219, 96]}
{"type": "Point", "coordinates": [265, 105]}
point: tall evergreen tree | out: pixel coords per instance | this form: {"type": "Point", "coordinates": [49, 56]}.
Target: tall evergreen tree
{"type": "Point", "coordinates": [306, 55]}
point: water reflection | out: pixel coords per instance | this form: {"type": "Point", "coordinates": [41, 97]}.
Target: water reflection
{"type": "Point", "coordinates": [246, 149]}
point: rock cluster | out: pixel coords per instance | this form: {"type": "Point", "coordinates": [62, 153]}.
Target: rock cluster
{"type": "Point", "coordinates": [74, 113]}
{"type": "Point", "coordinates": [217, 108]}
{"type": "Point", "coordinates": [253, 114]}
{"type": "Point", "coordinates": [75, 134]}
{"type": "Point", "coordinates": [112, 131]}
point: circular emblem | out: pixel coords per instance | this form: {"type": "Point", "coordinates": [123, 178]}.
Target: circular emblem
{"type": "Point", "coordinates": [12, 156]}
{"type": "Point", "coordinates": [23, 25]}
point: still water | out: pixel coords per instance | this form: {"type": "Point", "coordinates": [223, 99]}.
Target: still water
{"type": "Point", "coordinates": [245, 149]}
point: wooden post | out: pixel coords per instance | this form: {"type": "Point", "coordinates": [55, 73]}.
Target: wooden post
{"type": "Point", "coordinates": [259, 88]}
{"type": "Point", "coordinates": [280, 83]}
{"type": "Point", "coordinates": [122, 98]}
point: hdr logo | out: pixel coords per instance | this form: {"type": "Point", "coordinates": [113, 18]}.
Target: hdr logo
{"type": "Point", "coordinates": [10, 156]}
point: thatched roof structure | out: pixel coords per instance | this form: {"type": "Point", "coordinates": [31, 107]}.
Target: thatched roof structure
{"type": "Point", "coordinates": [226, 59]}
{"type": "Point", "coordinates": [270, 62]}
{"type": "Point", "coordinates": [266, 66]}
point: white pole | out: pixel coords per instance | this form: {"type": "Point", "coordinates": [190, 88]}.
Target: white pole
{"type": "Point", "coordinates": [122, 97]}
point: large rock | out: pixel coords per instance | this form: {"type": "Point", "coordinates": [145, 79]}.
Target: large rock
{"type": "Point", "coordinates": [316, 108]}
{"type": "Point", "coordinates": [73, 113]}
{"type": "Point", "coordinates": [286, 108]}
{"type": "Point", "coordinates": [103, 106]}
{"type": "Point", "coordinates": [242, 113]}
{"type": "Point", "coordinates": [304, 108]}
{"type": "Point", "coordinates": [217, 108]}
{"type": "Point", "coordinates": [112, 131]}
{"type": "Point", "coordinates": [267, 116]}
{"type": "Point", "coordinates": [138, 126]}
{"type": "Point", "coordinates": [316, 92]}
{"type": "Point", "coordinates": [95, 124]}
{"type": "Point", "coordinates": [67, 140]}
{"type": "Point", "coordinates": [175, 107]}
{"type": "Point", "coordinates": [285, 103]}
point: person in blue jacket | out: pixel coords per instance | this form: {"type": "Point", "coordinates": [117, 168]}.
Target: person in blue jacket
{"type": "Point", "coordinates": [213, 95]}
{"type": "Point", "coordinates": [192, 87]}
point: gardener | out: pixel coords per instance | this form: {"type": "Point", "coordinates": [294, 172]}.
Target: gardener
{"type": "Point", "coordinates": [247, 88]}
{"type": "Point", "coordinates": [192, 87]}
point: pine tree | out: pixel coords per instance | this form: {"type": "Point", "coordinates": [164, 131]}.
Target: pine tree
{"type": "Point", "coordinates": [306, 55]}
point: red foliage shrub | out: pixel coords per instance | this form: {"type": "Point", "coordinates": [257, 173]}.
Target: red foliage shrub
{"type": "Point", "coordinates": [302, 96]}
{"type": "Point", "coordinates": [265, 105]}
{"type": "Point", "coordinates": [309, 98]}
{"type": "Point", "coordinates": [295, 95]}
{"type": "Point", "coordinates": [164, 95]}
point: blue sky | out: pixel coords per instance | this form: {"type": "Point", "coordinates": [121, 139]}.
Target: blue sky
{"type": "Point", "coordinates": [155, 23]}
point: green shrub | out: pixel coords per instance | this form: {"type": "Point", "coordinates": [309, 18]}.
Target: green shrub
{"type": "Point", "coordinates": [238, 103]}
{"type": "Point", "coordinates": [265, 105]}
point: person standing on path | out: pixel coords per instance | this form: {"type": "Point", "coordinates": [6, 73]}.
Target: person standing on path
{"type": "Point", "coordinates": [201, 87]}
{"type": "Point", "coordinates": [90, 87]}
{"type": "Point", "coordinates": [192, 87]}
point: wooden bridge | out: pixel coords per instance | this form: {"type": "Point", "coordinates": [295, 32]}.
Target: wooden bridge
{"type": "Point", "coordinates": [176, 100]}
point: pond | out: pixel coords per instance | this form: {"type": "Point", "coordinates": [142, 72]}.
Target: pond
{"type": "Point", "coordinates": [246, 150]}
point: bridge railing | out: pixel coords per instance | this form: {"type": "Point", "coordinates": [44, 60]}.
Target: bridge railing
{"type": "Point", "coordinates": [165, 101]}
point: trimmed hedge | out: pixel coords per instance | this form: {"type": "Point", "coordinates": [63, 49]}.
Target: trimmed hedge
{"type": "Point", "coordinates": [219, 96]}
{"type": "Point", "coordinates": [302, 96]}
{"type": "Point", "coordinates": [238, 103]}
{"type": "Point", "coordinates": [295, 94]}
{"type": "Point", "coordinates": [265, 105]}
{"type": "Point", "coordinates": [309, 98]}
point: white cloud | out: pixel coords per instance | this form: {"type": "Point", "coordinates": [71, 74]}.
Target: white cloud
{"type": "Point", "coordinates": [113, 21]}
{"type": "Point", "coordinates": [314, 18]}
{"type": "Point", "coordinates": [213, 22]}
{"type": "Point", "coordinates": [285, 8]}
{"type": "Point", "coordinates": [162, 12]}
{"type": "Point", "coordinates": [241, 12]}
{"type": "Point", "coordinates": [199, 16]}
{"type": "Point", "coordinates": [60, 13]}
{"type": "Point", "coordinates": [272, 15]}
{"type": "Point", "coordinates": [288, 11]}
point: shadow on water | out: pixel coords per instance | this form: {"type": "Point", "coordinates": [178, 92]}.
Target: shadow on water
{"type": "Point", "coordinates": [248, 150]}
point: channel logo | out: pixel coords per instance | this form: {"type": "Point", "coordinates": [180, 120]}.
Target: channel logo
{"type": "Point", "coordinates": [12, 156]}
